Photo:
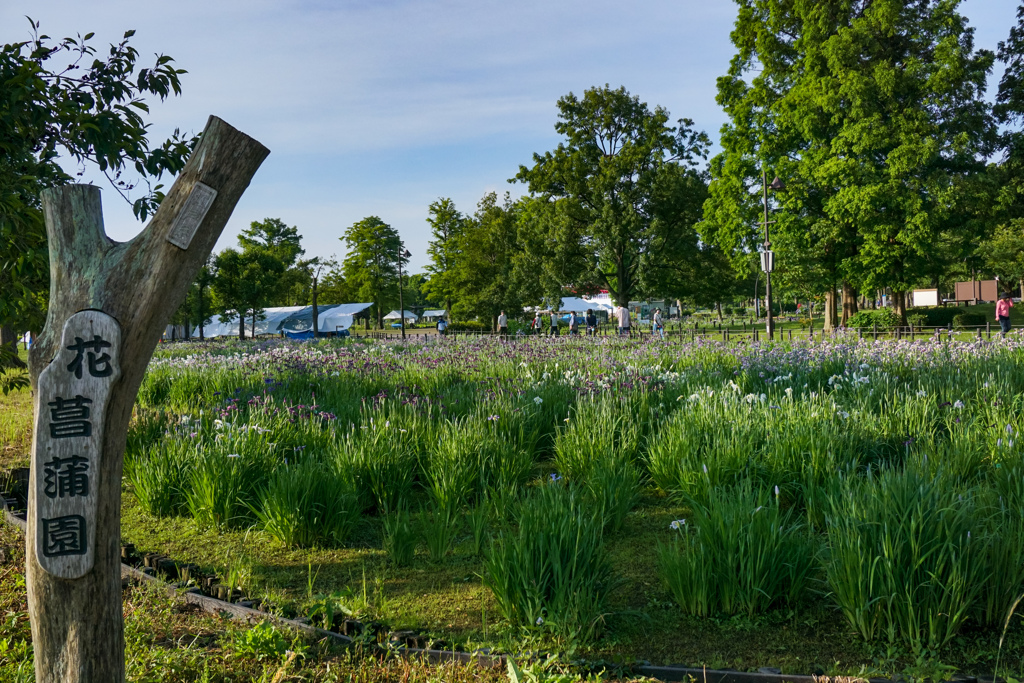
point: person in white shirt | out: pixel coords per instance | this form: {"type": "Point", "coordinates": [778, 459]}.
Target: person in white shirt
{"type": "Point", "coordinates": [623, 315]}
{"type": "Point", "coordinates": [502, 325]}
{"type": "Point", "coordinates": [536, 324]}
{"type": "Point", "coordinates": [659, 327]}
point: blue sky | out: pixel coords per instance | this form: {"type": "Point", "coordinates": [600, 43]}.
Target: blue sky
{"type": "Point", "coordinates": [380, 107]}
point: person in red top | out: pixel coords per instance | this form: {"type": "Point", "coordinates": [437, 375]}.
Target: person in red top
{"type": "Point", "coordinates": [1003, 307]}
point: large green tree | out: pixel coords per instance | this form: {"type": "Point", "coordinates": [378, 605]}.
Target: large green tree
{"type": "Point", "coordinates": [871, 113]}
{"type": "Point", "coordinates": [285, 243]}
{"type": "Point", "coordinates": [60, 100]}
{"type": "Point", "coordinates": [372, 261]}
{"type": "Point", "coordinates": [485, 271]}
{"type": "Point", "coordinates": [447, 226]}
{"type": "Point", "coordinates": [605, 175]}
{"type": "Point", "coordinates": [245, 282]}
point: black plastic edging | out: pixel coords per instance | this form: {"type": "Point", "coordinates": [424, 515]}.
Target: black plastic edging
{"type": "Point", "coordinates": [662, 673]}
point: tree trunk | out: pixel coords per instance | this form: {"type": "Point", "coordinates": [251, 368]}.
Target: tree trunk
{"type": "Point", "coordinates": [830, 319]}
{"type": "Point", "coordinates": [316, 313]}
{"type": "Point", "coordinates": [899, 303]}
{"type": "Point", "coordinates": [849, 302]}
{"type": "Point", "coordinates": [718, 306]}
{"type": "Point", "coordinates": [9, 338]}
{"type": "Point", "coordinates": [77, 628]}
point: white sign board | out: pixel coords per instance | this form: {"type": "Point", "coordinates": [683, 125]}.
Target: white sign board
{"type": "Point", "coordinates": [926, 297]}
{"type": "Point", "coordinates": [70, 410]}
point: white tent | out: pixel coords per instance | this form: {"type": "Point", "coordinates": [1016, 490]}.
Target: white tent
{"type": "Point", "coordinates": [271, 323]}
{"type": "Point", "coordinates": [395, 315]}
{"type": "Point", "coordinates": [438, 313]}
{"type": "Point", "coordinates": [573, 303]}
{"type": "Point", "coordinates": [339, 317]}
{"type": "Point", "coordinates": [333, 322]}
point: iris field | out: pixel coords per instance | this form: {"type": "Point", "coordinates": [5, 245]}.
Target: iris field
{"type": "Point", "coordinates": [607, 497]}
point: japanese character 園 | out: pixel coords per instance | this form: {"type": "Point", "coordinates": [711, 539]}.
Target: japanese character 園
{"type": "Point", "coordinates": [64, 536]}
{"type": "Point", "coordinates": [66, 477]}
{"type": "Point", "coordinates": [69, 417]}
{"type": "Point", "coordinates": [99, 366]}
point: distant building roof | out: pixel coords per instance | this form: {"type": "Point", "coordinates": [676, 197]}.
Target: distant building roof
{"type": "Point", "coordinates": [434, 313]}
{"type": "Point", "coordinates": [395, 315]}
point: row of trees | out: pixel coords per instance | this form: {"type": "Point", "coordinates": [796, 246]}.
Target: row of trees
{"type": "Point", "coordinates": [897, 174]}
{"type": "Point", "coordinates": [872, 113]}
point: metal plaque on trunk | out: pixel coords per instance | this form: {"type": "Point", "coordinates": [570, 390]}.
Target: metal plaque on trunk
{"type": "Point", "coordinates": [191, 216]}
{"type": "Point", "coordinates": [71, 405]}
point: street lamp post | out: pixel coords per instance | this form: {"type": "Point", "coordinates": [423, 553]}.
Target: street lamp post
{"type": "Point", "coordinates": [402, 253]}
{"type": "Point", "coordinates": [767, 256]}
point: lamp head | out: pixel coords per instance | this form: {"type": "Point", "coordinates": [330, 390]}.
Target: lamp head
{"type": "Point", "coordinates": [777, 185]}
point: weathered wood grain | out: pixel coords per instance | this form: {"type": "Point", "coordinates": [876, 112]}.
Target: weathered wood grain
{"type": "Point", "coordinates": [71, 401]}
{"type": "Point", "coordinates": [77, 629]}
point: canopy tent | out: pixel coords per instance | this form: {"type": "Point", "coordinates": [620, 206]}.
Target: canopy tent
{"type": "Point", "coordinates": [271, 323]}
{"type": "Point", "coordinates": [434, 313]}
{"type": "Point", "coordinates": [291, 318]}
{"type": "Point", "coordinates": [330, 317]}
{"type": "Point", "coordinates": [395, 315]}
{"type": "Point", "coordinates": [573, 303]}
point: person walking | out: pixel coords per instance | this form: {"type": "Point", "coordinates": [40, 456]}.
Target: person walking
{"type": "Point", "coordinates": [554, 324]}
{"type": "Point", "coordinates": [659, 327]}
{"type": "Point", "coordinates": [622, 313]}
{"type": "Point", "coordinates": [574, 324]}
{"type": "Point", "coordinates": [503, 325]}
{"type": "Point", "coordinates": [591, 323]}
{"type": "Point", "coordinates": [536, 323]}
{"type": "Point", "coordinates": [1003, 307]}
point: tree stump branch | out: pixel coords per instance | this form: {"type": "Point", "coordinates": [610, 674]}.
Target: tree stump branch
{"type": "Point", "coordinates": [77, 629]}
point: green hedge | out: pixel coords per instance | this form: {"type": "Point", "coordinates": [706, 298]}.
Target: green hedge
{"type": "Point", "coordinates": [938, 316]}
{"type": "Point", "coordinates": [883, 318]}
{"type": "Point", "coordinates": [969, 320]}
{"type": "Point", "coordinates": [469, 326]}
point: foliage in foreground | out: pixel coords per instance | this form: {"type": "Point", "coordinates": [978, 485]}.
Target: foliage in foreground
{"type": "Point", "coordinates": [551, 575]}
{"type": "Point", "coordinates": [739, 552]}
{"type": "Point", "coordinates": [464, 430]}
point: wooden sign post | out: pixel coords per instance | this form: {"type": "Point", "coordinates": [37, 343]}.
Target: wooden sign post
{"type": "Point", "coordinates": [109, 305]}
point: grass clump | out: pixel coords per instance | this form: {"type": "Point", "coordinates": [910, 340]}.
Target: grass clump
{"type": "Point", "coordinates": [740, 552]}
{"type": "Point", "coordinates": [903, 565]}
{"type": "Point", "coordinates": [308, 504]}
{"type": "Point", "coordinates": [399, 538]}
{"type": "Point", "coordinates": [550, 574]}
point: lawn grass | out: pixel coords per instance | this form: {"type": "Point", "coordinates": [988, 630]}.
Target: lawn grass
{"type": "Point", "coordinates": [449, 602]}
{"type": "Point", "coordinates": [170, 641]}
{"type": "Point", "coordinates": [16, 425]}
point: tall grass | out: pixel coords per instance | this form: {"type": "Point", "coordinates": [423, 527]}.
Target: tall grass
{"type": "Point", "coordinates": [383, 465]}
{"type": "Point", "coordinates": [159, 479]}
{"type": "Point", "coordinates": [739, 552]}
{"type": "Point", "coordinates": [550, 573]}
{"type": "Point", "coordinates": [903, 565]}
{"type": "Point", "coordinates": [597, 450]}
{"type": "Point", "coordinates": [309, 504]}
{"type": "Point", "coordinates": [894, 453]}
